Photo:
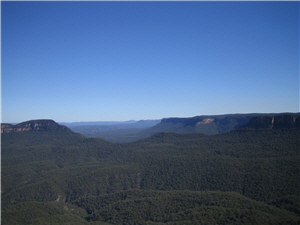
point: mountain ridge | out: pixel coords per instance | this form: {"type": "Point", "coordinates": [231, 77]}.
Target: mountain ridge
{"type": "Point", "coordinates": [33, 125]}
{"type": "Point", "coordinates": [207, 124]}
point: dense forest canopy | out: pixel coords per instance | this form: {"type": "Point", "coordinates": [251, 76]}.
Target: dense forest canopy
{"type": "Point", "coordinates": [250, 175]}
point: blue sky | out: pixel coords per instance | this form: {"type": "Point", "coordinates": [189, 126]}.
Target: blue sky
{"type": "Point", "coordinates": [116, 61]}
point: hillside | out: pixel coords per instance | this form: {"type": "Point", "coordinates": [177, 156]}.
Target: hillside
{"type": "Point", "coordinates": [248, 175]}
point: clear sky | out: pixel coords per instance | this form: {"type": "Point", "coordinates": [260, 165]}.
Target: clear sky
{"type": "Point", "coordinates": [116, 61]}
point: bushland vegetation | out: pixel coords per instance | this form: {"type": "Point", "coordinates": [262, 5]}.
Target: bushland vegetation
{"type": "Point", "coordinates": [247, 176]}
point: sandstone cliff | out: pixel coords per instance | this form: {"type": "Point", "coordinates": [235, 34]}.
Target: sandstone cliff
{"type": "Point", "coordinates": [274, 122]}
{"type": "Point", "coordinates": [32, 125]}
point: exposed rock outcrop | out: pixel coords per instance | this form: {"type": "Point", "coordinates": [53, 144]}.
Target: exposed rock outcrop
{"type": "Point", "coordinates": [32, 125]}
{"type": "Point", "coordinates": [274, 122]}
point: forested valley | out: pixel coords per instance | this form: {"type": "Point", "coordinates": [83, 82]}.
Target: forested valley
{"type": "Point", "coordinates": [249, 175]}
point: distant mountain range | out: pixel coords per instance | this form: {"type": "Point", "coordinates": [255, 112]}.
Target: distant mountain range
{"type": "Point", "coordinates": [82, 127]}
{"type": "Point", "coordinates": [113, 131]}
{"type": "Point", "coordinates": [91, 123]}
{"type": "Point", "coordinates": [135, 130]}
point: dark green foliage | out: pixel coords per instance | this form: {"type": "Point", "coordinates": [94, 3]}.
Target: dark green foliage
{"type": "Point", "coordinates": [290, 203]}
{"type": "Point", "coordinates": [58, 166]}
{"type": "Point", "coordinates": [182, 207]}
{"type": "Point", "coordinates": [43, 213]}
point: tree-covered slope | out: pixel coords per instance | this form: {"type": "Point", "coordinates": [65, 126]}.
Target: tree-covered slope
{"type": "Point", "coordinates": [182, 207]}
{"type": "Point", "coordinates": [36, 213]}
{"type": "Point", "coordinates": [259, 162]}
{"type": "Point", "coordinates": [151, 207]}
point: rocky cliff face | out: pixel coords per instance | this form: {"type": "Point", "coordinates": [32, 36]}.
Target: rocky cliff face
{"type": "Point", "coordinates": [32, 125]}
{"type": "Point", "coordinates": [274, 122]}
